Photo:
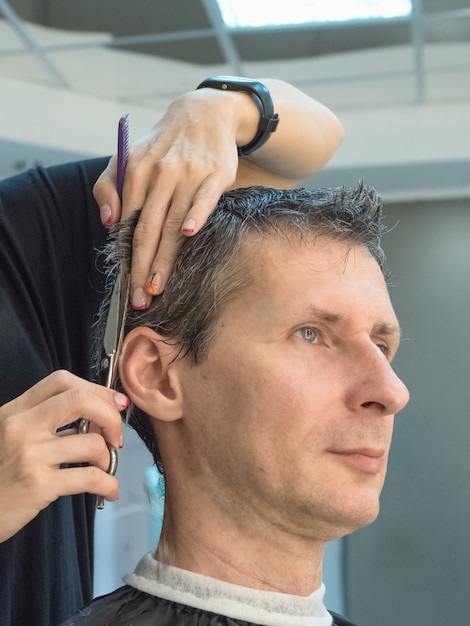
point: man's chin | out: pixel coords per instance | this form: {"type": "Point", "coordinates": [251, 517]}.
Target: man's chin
{"type": "Point", "coordinates": [347, 522]}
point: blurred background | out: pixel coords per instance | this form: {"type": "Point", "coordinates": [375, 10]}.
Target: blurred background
{"type": "Point", "coordinates": [398, 76]}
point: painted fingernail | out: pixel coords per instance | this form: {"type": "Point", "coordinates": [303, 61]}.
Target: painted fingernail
{"type": "Point", "coordinates": [153, 285]}
{"type": "Point", "coordinates": [189, 227]}
{"type": "Point", "coordinates": [121, 440]}
{"type": "Point", "coordinates": [122, 401]}
{"type": "Point", "coordinates": [106, 215]}
{"type": "Point", "coordinates": [139, 299]}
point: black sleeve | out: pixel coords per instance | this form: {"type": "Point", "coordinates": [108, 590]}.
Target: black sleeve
{"type": "Point", "coordinates": [50, 288]}
{"type": "Point", "coordinates": [50, 283]}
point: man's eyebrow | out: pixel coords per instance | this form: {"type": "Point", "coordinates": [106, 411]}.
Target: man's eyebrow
{"type": "Point", "coordinates": [385, 329]}
{"type": "Point", "coordinates": [325, 316]}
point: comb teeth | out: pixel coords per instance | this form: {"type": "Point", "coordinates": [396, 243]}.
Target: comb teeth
{"type": "Point", "coordinates": [122, 152]}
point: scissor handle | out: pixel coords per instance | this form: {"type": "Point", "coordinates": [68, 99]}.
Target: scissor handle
{"type": "Point", "coordinates": [113, 463]}
{"type": "Point", "coordinates": [83, 428]}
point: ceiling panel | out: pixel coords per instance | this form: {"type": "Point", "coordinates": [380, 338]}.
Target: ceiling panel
{"type": "Point", "coordinates": [372, 76]}
{"type": "Point", "coordinates": [122, 18]}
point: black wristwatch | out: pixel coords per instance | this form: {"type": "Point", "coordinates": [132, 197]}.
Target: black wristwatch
{"type": "Point", "coordinates": [261, 97]}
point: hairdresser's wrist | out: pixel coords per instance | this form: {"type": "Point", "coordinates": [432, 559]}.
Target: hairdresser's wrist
{"type": "Point", "coordinates": [248, 116]}
{"type": "Point", "coordinates": [235, 110]}
{"type": "Point", "coordinates": [261, 97]}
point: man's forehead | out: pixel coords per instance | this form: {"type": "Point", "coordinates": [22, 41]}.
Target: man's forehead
{"type": "Point", "coordinates": [324, 276]}
{"type": "Point", "coordinates": [320, 252]}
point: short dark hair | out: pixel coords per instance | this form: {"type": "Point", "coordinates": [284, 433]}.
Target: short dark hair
{"type": "Point", "coordinates": [211, 267]}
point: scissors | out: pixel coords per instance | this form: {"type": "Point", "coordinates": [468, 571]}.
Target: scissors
{"type": "Point", "coordinates": [115, 323]}
{"type": "Point", "coordinates": [113, 337]}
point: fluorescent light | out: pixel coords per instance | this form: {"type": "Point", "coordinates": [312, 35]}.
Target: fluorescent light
{"type": "Point", "coordinates": [268, 13]}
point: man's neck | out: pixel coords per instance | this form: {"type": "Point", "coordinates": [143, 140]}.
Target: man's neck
{"type": "Point", "coordinates": [269, 560]}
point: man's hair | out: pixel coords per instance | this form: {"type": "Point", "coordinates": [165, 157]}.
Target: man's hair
{"type": "Point", "coordinates": [212, 266]}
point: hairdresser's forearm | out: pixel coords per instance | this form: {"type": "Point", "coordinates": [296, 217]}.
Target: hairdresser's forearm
{"type": "Point", "coordinates": [306, 138]}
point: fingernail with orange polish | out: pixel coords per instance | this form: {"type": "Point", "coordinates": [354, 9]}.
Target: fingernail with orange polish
{"type": "Point", "coordinates": [153, 285]}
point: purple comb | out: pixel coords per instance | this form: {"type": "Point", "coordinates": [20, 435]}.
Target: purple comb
{"type": "Point", "coordinates": [122, 151]}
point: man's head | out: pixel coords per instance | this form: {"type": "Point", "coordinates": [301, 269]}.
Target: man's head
{"type": "Point", "coordinates": [263, 370]}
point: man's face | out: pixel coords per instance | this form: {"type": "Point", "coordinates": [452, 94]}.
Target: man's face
{"type": "Point", "coordinates": [290, 416]}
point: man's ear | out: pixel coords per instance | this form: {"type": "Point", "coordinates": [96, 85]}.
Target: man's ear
{"type": "Point", "coordinates": [147, 376]}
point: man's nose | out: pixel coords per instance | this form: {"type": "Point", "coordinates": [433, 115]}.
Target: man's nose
{"type": "Point", "coordinates": [376, 386]}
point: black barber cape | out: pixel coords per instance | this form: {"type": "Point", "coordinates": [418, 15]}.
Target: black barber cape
{"type": "Point", "coordinates": [50, 288]}
{"type": "Point", "coordinates": [129, 606]}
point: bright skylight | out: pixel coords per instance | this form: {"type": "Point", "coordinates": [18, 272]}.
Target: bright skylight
{"type": "Point", "coordinates": [283, 12]}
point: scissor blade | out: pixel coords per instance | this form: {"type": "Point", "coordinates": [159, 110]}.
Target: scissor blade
{"type": "Point", "coordinates": [115, 324]}
{"type": "Point", "coordinates": [111, 332]}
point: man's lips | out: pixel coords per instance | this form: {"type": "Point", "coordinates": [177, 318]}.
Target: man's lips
{"type": "Point", "coordinates": [369, 460]}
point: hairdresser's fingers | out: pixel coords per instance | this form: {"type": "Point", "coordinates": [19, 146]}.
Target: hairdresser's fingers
{"type": "Point", "coordinates": [136, 181]}
{"type": "Point", "coordinates": [88, 479]}
{"type": "Point", "coordinates": [60, 399]}
{"type": "Point", "coordinates": [165, 206]}
{"type": "Point", "coordinates": [139, 172]}
{"type": "Point", "coordinates": [142, 168]}
{"type": "Point", "coordinates": [27, 443]}
{"type": "Point", "coordinates": [186, 185]}
{"type": "Point", "coordinates": [186, 216]}
{"type": "Point", "coordinates": [106, 196]}
{"type": "Point", "coordinates": [34, 486]}
{"type": "Point", "coordinates": [75, 448]}
{"type": "Point", "coordinates": [145, 171]}
{"type": "Point", "coordinates": [32, 454]}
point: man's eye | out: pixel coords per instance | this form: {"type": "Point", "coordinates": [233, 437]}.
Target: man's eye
{"type": "Point", "coordinates": [386, 351]}
{"type": "Point", "coordinates": [309, 334]}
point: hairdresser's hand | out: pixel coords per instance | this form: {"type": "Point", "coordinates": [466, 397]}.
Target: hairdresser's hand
{"type": "Point", "coordinates": [176, 174]}
{"type": "Point", "coordinates": [31, 451]}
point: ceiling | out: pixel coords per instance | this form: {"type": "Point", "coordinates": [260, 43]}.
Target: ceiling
{"type": "Point", "coordinates": [68, 69]}
{"type": "Point", "coordinates": [193, 31]}
{"type": "Point", "coordinates": [159, 28]}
